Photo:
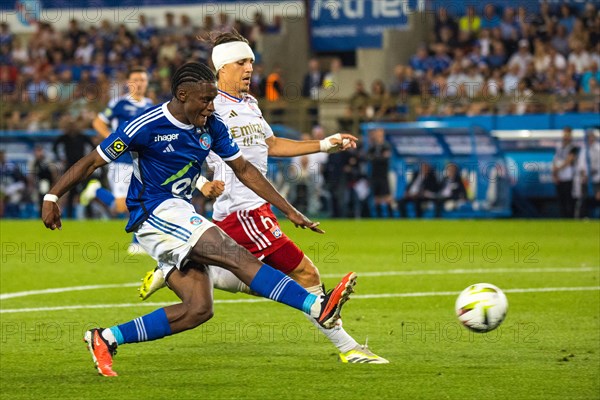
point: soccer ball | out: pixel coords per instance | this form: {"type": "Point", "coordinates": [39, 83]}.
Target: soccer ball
{"type": "Point", "coordinates": [481, 307]}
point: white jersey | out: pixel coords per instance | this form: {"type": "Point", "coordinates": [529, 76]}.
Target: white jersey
{"type": "Point", "coordinates": [250, 131]}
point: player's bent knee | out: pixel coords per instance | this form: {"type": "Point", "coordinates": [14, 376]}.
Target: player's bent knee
{"type": "Point", "coordinates": [197, 315]}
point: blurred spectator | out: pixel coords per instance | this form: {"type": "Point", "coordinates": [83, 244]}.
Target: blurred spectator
{"type": "Point", "coordinates": [490, 18]}
{"type": "Point", "coordinates": [258, 81]}
{"type": "Point", "coordinates": [170, 29]}
{"type": "Point", "coordinates": [275, 26]}
{"type": "Point", "coordinates": [498, 56]}
{"type": "Point", "coordinates": [258, 27]}
{"type": "Point", "coordinates": [42, 175]}
{"type": "Point", "coordinates": [541, 59]}
{"type": "Point", "coordinates": [474, 82]}
{"type": "Point", "coordinates": [359, 101]}
{"type": "Point", "coordinates": [224, 24]}
{"type": "Point", "coordinates": [403, 84]}
{"type": "Point", "coordinates": [332, 78]}
{"type": "Point", "coordinates": [448, 38]}
{"type": "Point", "coordinates": [455, 81]}
{"type": "Point", "coordinates": [6, 36]}
{"type": "Point", "coordinates": [308, 183]}
{"type": "Point", "coordinates": [440, 62]}
{"type": "Point", "coordinates": [509, 28]}
{"type": "Point", "coordinates": [168, 49]}
{"type": "Point", "coordinates": [422, 188]}
{"type": "Point", "coordinates": [420, 61]}
{"type": "Point", "coordinates": [274, 85]}
{"type": "Point", "coordinates": [470, 22]}
{"type": "Point", "coordinates": [560, 40]}
{"type": "Point", "coordinates": [579, 33]}
{"type": "Point", "coordinates": [68, 148]}
{"type": "Point", "coordinates": [498, 193]}
{"type": "Point", "coordinates": [579, 58]}
{"type": "Point", "coordinates": [13, 186]}
{"type": "Point", "coordinates": [564, 90]}
{"type": "Point", "coordinates": [443, 21]}
{"type": "Point", "coordinates": [452, 191]}
{"type": "Point", "coordinates": [381, 102]}
{"type": "Point", "coordinates": [74, 32]}
{"type": "Point", "coordinates": [566, 19]}
{"type": "Point", "coordinates": [378, 156]}
{"type": "Point", "coordinates": [186, 27]}
{"type": "Point", "coordinates": [19, 54]}
{"type": "Point", "coordinates": [145, 31]}
{"type": "Point", "coordinates": [522, 57]}
{"type": "Point", "coordinates": [521, 102]}
{"type": "Point", "coordinates": [543, 21]}
{"type": "Point", "coordinates": [313, 80]}
{"type": "Point", "coordinates": [563, 172]}
{"type": "Point", "coordinates": [356, 197]}
{"type": "Point", "coordinates": [592, 72]}
{"type": "Point", "coordinates": [512, 78]}
{"type": "Point", "coordinates": [318, 163]}
{"type": "Point", "coordinates": [557, 59]}
{"type": "Point", "coordinates": [336, 182]}
{"type": "Point", "coordinates": [586, 182]}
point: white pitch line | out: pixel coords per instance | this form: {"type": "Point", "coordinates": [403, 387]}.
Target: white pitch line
{"type": "Point", "coordinates": [463, 271]}
{"type": "Point", "coordinates": [260, 300]}
{"type": "Point", "coordinates": [6, 296]}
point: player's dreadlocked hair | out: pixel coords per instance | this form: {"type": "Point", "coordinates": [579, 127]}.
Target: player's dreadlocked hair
{"type": "Point", "coordinates": [191, 72]}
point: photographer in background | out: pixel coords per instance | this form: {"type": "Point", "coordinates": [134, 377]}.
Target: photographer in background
{"type": "Point", "coordinates": [563, 172]}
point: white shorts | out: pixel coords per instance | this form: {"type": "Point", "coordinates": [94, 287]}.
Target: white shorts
{"type": "Point", "coordinates": [119, 176]}
{"type": "Point", "coordinates": [171, 231]}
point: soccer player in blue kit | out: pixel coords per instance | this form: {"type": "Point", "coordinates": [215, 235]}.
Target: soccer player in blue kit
{"type": "Point", "coordinates": [168, 227]}
{"type": "Point", "coordinates": [118, 111]}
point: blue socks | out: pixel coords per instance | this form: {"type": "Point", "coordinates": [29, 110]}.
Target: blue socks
{"type": "Point", "coordinates": [273, 284]}
{"type": "Point", "coordinates": [149, 327]}
{"type": "Point", "coordinates": [268, 282]}
{"type": "Point", "coordinates": [105, 196]}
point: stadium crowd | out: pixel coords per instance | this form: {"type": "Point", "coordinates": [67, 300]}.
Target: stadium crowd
{"type": "Point", "coordinates": [471, 63]}
{"type": "Point", "coordinates": [86, 66]}
{"type": "Point", "coordinates": [468, 67]}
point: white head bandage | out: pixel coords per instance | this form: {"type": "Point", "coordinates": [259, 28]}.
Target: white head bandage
{"type": "Point", "coordinates": [227, 53]}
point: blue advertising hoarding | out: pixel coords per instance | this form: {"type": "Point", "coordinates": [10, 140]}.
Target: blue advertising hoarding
{"type": "Point", "coordinates": [342, 25]}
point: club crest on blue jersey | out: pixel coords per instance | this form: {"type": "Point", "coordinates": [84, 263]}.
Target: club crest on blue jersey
{"type": "Point", "coordinates": [195, 220]}
{"type": "Point", "coordinates": [205, 141]}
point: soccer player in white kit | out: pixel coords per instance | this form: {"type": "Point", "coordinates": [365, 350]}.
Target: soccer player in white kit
{"type": "Point", "coordinates": [242, 214]}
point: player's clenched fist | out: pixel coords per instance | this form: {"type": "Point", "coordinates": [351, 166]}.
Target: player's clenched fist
{"type": "Point", "coordinates": [51, 215]}
{"type": "Point", "coordinates": [212, 190]}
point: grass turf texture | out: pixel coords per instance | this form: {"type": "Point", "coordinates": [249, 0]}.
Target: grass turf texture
{"type": "Point", "coordinates": [548, 347]}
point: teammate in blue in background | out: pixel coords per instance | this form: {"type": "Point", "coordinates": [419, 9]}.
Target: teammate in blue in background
{"type": "Point", "coordinates": [169, 143]}
{"type": "Point", "coordinates": [119, 110]}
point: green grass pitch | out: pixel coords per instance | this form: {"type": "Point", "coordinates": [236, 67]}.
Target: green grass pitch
{"type": "Point", "coordinates": [409, 275]}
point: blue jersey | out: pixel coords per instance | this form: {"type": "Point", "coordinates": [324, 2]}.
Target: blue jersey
{"type": "Point", "coordinates": [167, 157]}
{"type": "Point", "coordinates": [121, 110]}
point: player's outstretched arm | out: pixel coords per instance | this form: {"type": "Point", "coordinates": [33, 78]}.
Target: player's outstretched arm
{"type": "Point", "coordinates": [100, 127]}
{"type": "Point", "coordinates": [281, 147]}
{"type": "Point", "coordinates": [74, 175]}
{"type": "Point", "coordinates": [252, 178]}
